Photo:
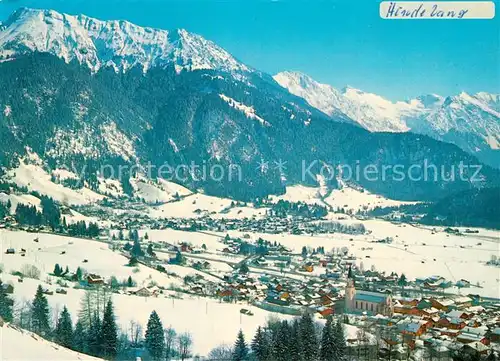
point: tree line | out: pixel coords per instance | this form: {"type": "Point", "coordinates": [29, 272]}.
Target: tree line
{"type": "Point", "coordinates": [300, 340]}
{"type": "Point", "coordinates": [96, 332]}
{"type": "Point", "coordinates": [50, 216]}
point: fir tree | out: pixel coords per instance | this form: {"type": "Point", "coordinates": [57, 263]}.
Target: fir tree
{"type": "Point", "coordinates": [327, 350]}
{"type": "Point", "coordinates": [79, 339]}
{"type": "Point", "coordinates": [304, 252]}
{"type": "Point", "coordinates": [79, 274]}
{"type": "Point", "coordinates": [57, 270]}
{"type": "Point", "coordinates": [281, 342]}
{"type": "Point", "coordinates": [309, 339]}
{"type": "Point", "coordinates": [340, 342]}
{"type": "Point", "coordinates": [130, 282]}
{"type": "Point", "coordinates": [109, 333]}
{"type": "Point", "coordinates": [94, 341]}
{"type": "Point", "coordinates": [260, 345]}
{"type": "Point", "coordinates": [296, 347]}
{"type": "Point", "coordinates": [133, 261]}
{"type": "Point", "coordinates": [240, 352]}
{"type": "Point", "coordinates": [5, 305]}
{"type": "Point", "coordinates": [150, 249]}
{"type": "Point", "coordinates": [64, 329]}
{"type": "Point", "coordinates": [40, 313]}
{"type": "Point", "coordinates": [155, 339]}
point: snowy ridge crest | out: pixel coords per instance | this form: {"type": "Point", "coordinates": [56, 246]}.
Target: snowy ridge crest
{"type": "Point", "coordinates": [119, 44]}
{"type": "Point", "coordinates": [431, 114]}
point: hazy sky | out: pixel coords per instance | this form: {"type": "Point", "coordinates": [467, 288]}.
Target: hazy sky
{"type": "Point", "coordinates": [336, 42]}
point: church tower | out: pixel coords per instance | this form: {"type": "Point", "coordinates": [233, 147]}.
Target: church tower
{"type": "Point", "coordinates": [350, 292]}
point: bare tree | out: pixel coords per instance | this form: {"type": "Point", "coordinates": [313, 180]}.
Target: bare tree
{"type": "Point", "coordinates": [170, 336]}
{"type": "Point", "coordinates": [135, 333]}
{"type": "Point", "coordinates": [22, 313]}
{"type": "Point", "coordinates": [30, 271]}
{"type": "Point", "coordinates": [222, 352]}
{"type": "Point", "coordinates": [55, 314]}
{"type": "Point", "coordinates": [185, 342]}
{"type": "Point", "coordinates": [92, 305]}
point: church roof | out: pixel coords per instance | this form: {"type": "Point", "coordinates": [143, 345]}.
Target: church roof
{"type": "Point", "coordinates": [373, 297]}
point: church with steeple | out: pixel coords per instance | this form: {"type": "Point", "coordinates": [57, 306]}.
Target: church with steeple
{"type": "Point", "coordinates": [371, 303]}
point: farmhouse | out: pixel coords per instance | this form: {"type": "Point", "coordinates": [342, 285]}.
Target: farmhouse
{"type": "Point", "coordinates": [94, 279]}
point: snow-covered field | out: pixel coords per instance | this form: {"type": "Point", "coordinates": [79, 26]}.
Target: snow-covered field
{"type": "Point", "coordinates": [300, 193]}
{"type": "Point", "coordinates": [17, 344]}
{"type": "Point", "coordinates": [210, 322]}
{"type": "Point", "coordinates": [357, 200]}
{"type": "Point", "coordinates": [35, 178]}
{"type": "Point", "coordinates": [415, 251]}
{"type": "Point", "coordinates": [346, 197]}
{"type": "Point", "coordinates": [45, 253]}
{"type": "Point", "coordinates": [191, 206]}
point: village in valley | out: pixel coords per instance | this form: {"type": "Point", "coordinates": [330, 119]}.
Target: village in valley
{"type": "Point", "coordinates": [270, 261]}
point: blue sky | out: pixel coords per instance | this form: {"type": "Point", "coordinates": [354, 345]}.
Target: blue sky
{"type": "Point", "coordinates": [336, 42]}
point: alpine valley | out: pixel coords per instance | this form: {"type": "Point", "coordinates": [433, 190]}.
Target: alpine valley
{"type": "Point", "coordinates": [78, 93]}
{"type": "Point", "coordinates": [107, 254]}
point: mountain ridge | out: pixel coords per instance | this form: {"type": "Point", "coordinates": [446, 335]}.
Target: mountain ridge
{"type": "Point", "coordinates": [470, 121]}
{"type": "Point", "coordinates": [213, 114]}
{"type": "Point", "coordinates": [116, 43]}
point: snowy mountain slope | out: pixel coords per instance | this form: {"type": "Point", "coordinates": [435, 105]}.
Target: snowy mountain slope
{"type": "Point", "coordinates": [369, 110]}
{"type": "Point", "coordinates": [36, 179]}
{"type": "Point", "coordinates": [18, 344]}
{"type": "Point", "coordinates": [463, 113]}
{"type": "Point", "coordinates": [85, 122]}
{"type": "Point", "coordinates": [470, 121]}
{"type": "Point", "coordinates": [119, 44]}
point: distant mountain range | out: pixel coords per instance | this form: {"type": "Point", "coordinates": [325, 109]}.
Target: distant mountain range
{"type": "Point", "coordinates": [81, 92]}
{"type": "Point", "coordinates": [470, 121]}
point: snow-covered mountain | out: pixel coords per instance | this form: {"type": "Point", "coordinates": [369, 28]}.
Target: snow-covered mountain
{"type": "Point", "coordinates": [469, 121]}
{"type": "Point", "coordinates": [369, 110]}
{"type": "Point", "coordinates": [52, 106]}
{"type": "Point", "coordinates": [119, 44]}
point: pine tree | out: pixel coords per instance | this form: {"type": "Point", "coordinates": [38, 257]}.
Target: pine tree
{"type": "Point", "coordinates": [40, 313]}
{"type": "Point", "coordinates": [79, 274]}
{"type": "Point", "coordinates": [304, 252]}
{"type": "Point", "coordinates": [240, 352]}
{"type": "Point", "coordinates": [130, 282]}
{"type": "Point", "coordinates": [150, 249]}
{"type": "Point", "coordinates": [109, 333]}
{"type": "Point", "coordinates": [327, 350]}
{"type": "Point", "coordinates": [281, 342]}
{"type": "Point", "coordinates": [94, 341]}
{"type": "Point", "coordinates": [5, 305]}
{"type": "Point", "coordinates": [79, 339]}
{"type": "Point", "coordinates": [309, 339]}
{"type": "Point", "coordinates": [155, 339]}
{"type": "Point", "coordinates": [260, 345]}
{"type": "Point", "coordinates": [64, 329]}
{"type": "Point", "coordinates": [296, 346]}
{"type": "Point", "coordinates": [340, 342]}
{"type": "Point", "coordinates": [57, 270]}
